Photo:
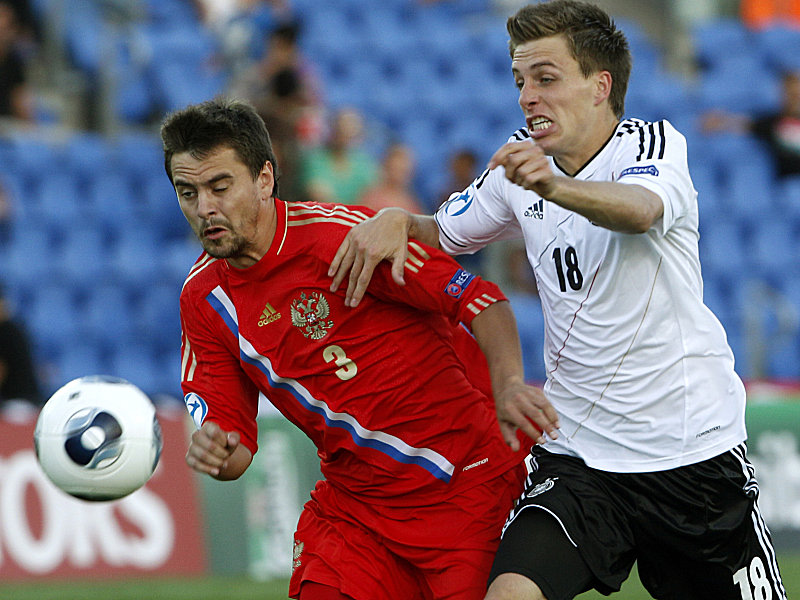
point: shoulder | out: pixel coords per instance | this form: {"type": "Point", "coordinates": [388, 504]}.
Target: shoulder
{"type": "Point", "coordinates": [313, 226]}
{"type": "Point", "coordinates": [649, 139]}
{"type": "Point", "coordinates": [203, 277]}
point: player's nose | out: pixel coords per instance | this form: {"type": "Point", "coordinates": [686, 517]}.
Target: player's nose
{"type": "Point", "coordinates": [206, 204]}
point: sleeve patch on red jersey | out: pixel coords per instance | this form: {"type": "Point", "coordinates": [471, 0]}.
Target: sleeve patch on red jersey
{"type": "Point", "coordinates": [197, 407]}
{"type": "Point", "coordinates": [458, 283]}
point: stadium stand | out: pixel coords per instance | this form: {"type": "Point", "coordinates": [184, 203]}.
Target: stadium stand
{"type": "Point", "coordinates": [96, 222]}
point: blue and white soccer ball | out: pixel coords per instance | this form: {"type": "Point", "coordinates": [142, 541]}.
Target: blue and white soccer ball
{"type": "Point", "coordinates": [98, 438]}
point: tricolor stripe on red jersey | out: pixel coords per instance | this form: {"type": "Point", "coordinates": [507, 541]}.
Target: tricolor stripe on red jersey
{"type": "Point", "coordinates": [433, 462]}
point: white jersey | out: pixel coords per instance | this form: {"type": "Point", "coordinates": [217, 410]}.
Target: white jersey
{"type": "Point", "coordinates": [639, 369]}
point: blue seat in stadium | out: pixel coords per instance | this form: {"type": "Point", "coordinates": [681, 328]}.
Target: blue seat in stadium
{"type": "Point", "coordinates": [784, 362]}
{"type": "Point", "coordinates": [747, 190]}
{"type": "Point", "coordinates": [178, 257]}
{"type": "Point", "coordinates": [82, 261]}
{"type": "Point", "coordinates": [140, 154]}
{"type": "Point", "coordinates": [706, 181]}
{"type": "Point", "coordinates": [139, 365]}
{"type": "Point", "coordinates": [719, 295]}
{"type": "Point", "coordinates": [160, 205]}
{"type": "Point", "coordinates": [34, 155]}
{"type": "Point", "coordinates": [54, 315]}
{"type": "Point", "coordinates": [108, 315]}
{"type": "Point", "coordinates": [135, 102]}
{"type": "Point", "coordinates": [56, 200]}
{"type": "Point", "coordinates": [717, 41]}
{"type": "Point", "coordinates": [85, 36]}
{"type": "Point", "coordinates": [721, 88]}
{"type": "Point", "coordinates": [28, 259]}
{"type": "Point", "coordinates": [111, 201]}
{"type": "Point", "coordinates": [781, 47]}
{"type": "Point", "coordinates": [774, 247]}
{"type": "Point", "coordinates": [788, 194]}
{"type": "Point", "coordinates": [157, 313]}
{"type": "Point", "coordinates": [78, 360]}
{"type": "Point", "coordinates": [530, 321]}
{"type": "Point", "coordinates": [721, 246]}
{"type": "Point", "coordinates": [134, 257]}
{"type": "Point", "coordinates": [178, 84]}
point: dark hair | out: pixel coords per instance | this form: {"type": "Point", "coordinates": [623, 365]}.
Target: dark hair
{"type": "Point", "coordinates": [202, 128]}
{"type": "Point", "coordinates": [592, 37]}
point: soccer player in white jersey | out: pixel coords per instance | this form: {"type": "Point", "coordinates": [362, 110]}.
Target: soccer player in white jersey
{"type": "Point", "coordinates": [650, 465]}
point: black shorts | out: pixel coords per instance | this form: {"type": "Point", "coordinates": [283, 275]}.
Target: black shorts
{"type": "Point", "coordinates": [695, 531]}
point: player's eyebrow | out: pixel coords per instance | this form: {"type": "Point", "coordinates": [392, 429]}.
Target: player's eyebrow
{"type": "Point", "coordinates": [212, 181]}
{"type": "Point", "coordinates": [534, 66]}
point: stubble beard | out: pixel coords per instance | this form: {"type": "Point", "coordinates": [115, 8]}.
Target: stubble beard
{"type": "Point", "coordinates": [230, 248]}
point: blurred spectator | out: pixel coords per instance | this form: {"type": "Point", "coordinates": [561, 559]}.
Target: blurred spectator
{"type": "Point", "coordinates": [395, 186]}
{"type": "Point", "coordinates": [463, 171]}
{"type": "Point", "coordinates": [779, 130]}
{"type": "Point", "coordinates": [339, 171]}
{"type": "Point", "coordinates": [6, 213]}
{"type": "Point", "coordinates": [18, 379]}
{"type": "Point", "coordinates": [241, 25]}
{"type": "Point", "coordinates": [29, 31]}
{"type": "Point", "coordinates": [283, 111]}
{"type": "Point", "coordinates": [16, 96]}
{"type": "Point", "coordinates": [758, 14]}
{"type": "Point", "coordinates": [267, 82]}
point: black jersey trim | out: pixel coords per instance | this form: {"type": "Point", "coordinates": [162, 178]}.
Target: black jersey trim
{"type": "Point", "coordinates": [521, 134]}
{"type": "Point", "coordinates": [652, 137]}
{"type": "Point", "coordinates": [441, 230]}
{"type": "Point", "coordinates": [584, 165]}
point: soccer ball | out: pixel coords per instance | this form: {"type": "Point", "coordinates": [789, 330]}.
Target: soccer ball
{"type": "Point", "coordinates": [98, 438]}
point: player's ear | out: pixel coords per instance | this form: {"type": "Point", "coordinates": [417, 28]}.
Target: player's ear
{"type": "Point", "coordinates": [603, 82]}
{"type": "Point", "coordinates": [266, 179]}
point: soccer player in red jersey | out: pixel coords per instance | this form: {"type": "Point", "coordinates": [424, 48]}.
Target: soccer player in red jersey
{"type": "Point", "coordinates": [420, 472]}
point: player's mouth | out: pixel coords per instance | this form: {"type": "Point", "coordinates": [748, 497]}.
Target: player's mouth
{"type": "Point", "coordinates": [539, 126]}
{"type": "Point", "coordinates": [214, 232]}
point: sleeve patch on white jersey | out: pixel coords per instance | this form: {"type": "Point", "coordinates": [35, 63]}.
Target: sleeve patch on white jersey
{"type": "Point", "coordinates": [640, 170]}
{"type": "Point", "coordinates": [459, 203]}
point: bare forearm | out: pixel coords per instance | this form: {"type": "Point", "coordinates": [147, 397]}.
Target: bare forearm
{"type": "Point", "coordinates": [615, 206]}
{"type": "Point", "coordinates": [424, 229]}
{"type": "Point", "coordinates": [495, 330]}
{"type": "Point", "coordinates": [518, 405]}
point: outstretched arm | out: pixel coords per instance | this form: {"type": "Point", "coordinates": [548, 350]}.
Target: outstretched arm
{"type": "Point", "coordinates": [518, 405]}
{"type": "Point", "coordinates": [384, 236]}
{"type": "Point", "coordinates": [615, 206]}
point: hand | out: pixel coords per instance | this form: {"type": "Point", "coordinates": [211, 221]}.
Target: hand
{"type": "Point", "coordinates": [383, 236]}
{"type": "Point", "coordinates": [526, 165]}
{"type": "Point", "coordinates": [522, 406]}
{"type": "Point", "coordinates": [210, 448]}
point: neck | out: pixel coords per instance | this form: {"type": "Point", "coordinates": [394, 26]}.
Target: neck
{"type": "Point", "coordinates": [264, 228]}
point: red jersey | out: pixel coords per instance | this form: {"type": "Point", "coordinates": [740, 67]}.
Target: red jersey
{"type": "Point", "coordinates": [380, 389]}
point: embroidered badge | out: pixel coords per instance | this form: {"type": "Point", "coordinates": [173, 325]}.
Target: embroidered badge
{"type": "Point", "coordinates": [542, 487]}
{"type": "Point", "coordinates": [296, 554]}
{"type": "Point", "coordinates": [268, 315]}
{"type": "Point", "coordinates": [309, 314]}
